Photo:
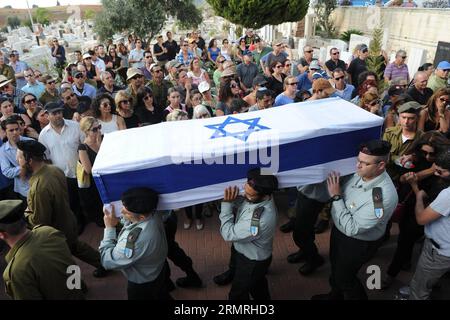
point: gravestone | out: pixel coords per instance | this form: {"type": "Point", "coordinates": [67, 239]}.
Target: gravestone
{"type": "Point", "coordinates": [357, 39]}
{"type": "Point", "coordinates": [416, 58]}
{"type": "Point", "coordinates": [442, 52]}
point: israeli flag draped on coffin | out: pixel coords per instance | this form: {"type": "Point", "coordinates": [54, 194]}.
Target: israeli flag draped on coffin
{"type": "Point", "coordinates": [192, 161]}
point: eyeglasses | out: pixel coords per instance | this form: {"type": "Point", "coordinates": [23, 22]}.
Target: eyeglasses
{"type": "Point", "coordinates": [335, 53]}
{"type": "Point", "coordinates": [148, 97]}
{"type": "Point", "coordinates": [366, 164]}
{"type": "Point", "coordinates": [233, 85]}
{"type": "Point", "coordinates": [373, 103]}
{"type": "Point", "coordinates": [105, 104]}
{"type": "Point", "coordinates": [30, 101]}
{"type": "Point", "coordinates": [339, 78]}
{"type": "Point", "coordinates": [279, 66]}
{"type": "Point", "coordinates": [97, 128]}
{"type": "Point", "coordinates": [125, 101]}
{"type": "Point", "coordinates": [293, 83]}
{"type": "Point", "coordinates": [70, 96]}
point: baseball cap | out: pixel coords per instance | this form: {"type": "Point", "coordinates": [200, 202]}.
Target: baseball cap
{"type": "Point", "coordinates": [14, 53]}
{"type": "Point", "coordinates": [259, 81]}
{"type": "Point", "coordinates": [131, 72]}
{"type": "Point", "coordinates": [363, 47]}
{"type": "Point", "coordinates": [203, 86]}
{"type": "Point", "coordinates": [54, 106]}
{"type": "Point", "coordinates": [76, 72]}
{"type": "Point", "coordinates": [314, 65]}
{"type": "Point", "coordinates": [317, 75]}
{"type": "Point", "coordinates": [86, 55]}
{"type": "Point", "coordinates": [409, 107]}
{"type": "Point", "coordinates": [443, 65]}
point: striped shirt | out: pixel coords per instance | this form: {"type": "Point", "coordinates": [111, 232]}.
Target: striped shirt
{"type": "Point", "coordinates": [394, 71]}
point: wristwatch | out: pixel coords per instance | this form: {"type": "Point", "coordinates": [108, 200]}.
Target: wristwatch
{"type": "Point", "coordinates": [336, 197]}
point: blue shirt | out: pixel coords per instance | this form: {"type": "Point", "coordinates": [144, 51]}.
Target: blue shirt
{"type": "Point", "coordinates": [20, 66]}
{"type": "Point", "coordinates": [281, 99]}
{"type": "Point", "coordinates": [88, 90]}
{"type": "Point", "coordinates": [37, 89]}
{"type": "Point", "coordinates": [181, 60]}
{"type": "Point", "coordinates": [4, 181]}
{"type": "Point", "coordinates": [345, 94]}
{"type": "Point", "coordinates": [11, 169]}
{"type": "Point", "coordinates": [303, 82]}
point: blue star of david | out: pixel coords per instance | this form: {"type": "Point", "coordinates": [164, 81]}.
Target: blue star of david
{"type": "Point", "coordinates": [220, 132]}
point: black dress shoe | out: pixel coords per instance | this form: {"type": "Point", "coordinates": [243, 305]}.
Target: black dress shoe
{"type": "Point", "coordinates": [311, 265]}
{"type": "Point", "coordinates": [189, 282]}
{"type": "Point", "coordinates": [100, 272]}
{"type": "Point", "coordinates": [321, 226]}
{"type": "Point", "coordinates": [288, 226]}
{"type": "Point", "coordinates": [224, 278]}
{"type": "Point", "coordinates": [296, 257]}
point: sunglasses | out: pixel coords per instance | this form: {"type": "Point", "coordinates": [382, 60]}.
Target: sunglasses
{"type": "Point", "coordinates": [148, 97]}
{"type": "Point", "coordinates": [28, 75]}
{"type": "Point", "coordinates": [30, 101]}
{"type": "Point", "coordinates": [156, 71]}
{"type": "Point", "coordinates": [288, 65]}
{"type": "Point", "coordinates": [89, 58]}
{"type": "Point", "coordinates": [105, 104]}
{"type": "Point", "coordinates": [446, 101]}
{"type": "Point", "coordinates": [51, 82]}
{"type": "Point", "coordinates": [311, 51]}
{"type": "Point", "coordinates": [79, 76]}
{"type": "Point", "coordinates": [279, 66]}
{"type": "Point", "coordinates": [221, 61]}
{"type": "Point", "coordinates": [365, 50]}
{"type": "Point", "coordinates": [148, 57]}
{"type": "Point", "coordinates": [97, 128]}
{"type": "Point", "coordinates": [339, 78]}
{"type": "Point", "coordinates": [335, 53]}
{"type": "Point", "coordinates": [138, 76]}
{"type": "Point", "coordinates": [375, 102]}
{"type": "Point", "coordinates": [38, 75]}
{"type": "Point", "coordinates": [125, 101]}
{"type": "Point", "coordinates": [293, 83]}
{"type": "Point", "coordinates": [234, 85]}
{"type": "Point", "coordinates": [70, 96]}
{"type": "Point", "coordinates": [404, 57]}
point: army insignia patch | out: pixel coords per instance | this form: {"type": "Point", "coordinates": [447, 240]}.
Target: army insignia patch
{"type": "Point", "coordinates": [128, 252]}
{"type": "Point", "coordinates": [379, 212]}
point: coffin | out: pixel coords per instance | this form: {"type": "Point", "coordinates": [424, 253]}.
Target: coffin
{"type": "Point", "coordinates": [192, 161]}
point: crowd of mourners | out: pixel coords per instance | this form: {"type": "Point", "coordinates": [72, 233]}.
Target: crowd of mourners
{"type": "Point", "coordinates": [127, 85]}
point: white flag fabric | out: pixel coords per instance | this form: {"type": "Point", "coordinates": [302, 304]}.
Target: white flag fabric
{"type": "Point", "coordinates": [193, 161]}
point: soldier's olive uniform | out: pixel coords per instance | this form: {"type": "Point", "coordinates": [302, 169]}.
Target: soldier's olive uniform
{"type": "Point", "coordinates": [37, 267]}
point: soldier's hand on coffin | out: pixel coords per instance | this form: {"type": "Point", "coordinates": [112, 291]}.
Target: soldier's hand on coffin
{"type": "Point", "coordinates": [110, 218]}
{"type": "Point", "coordinates": [231, 194]}
{"type": "Point", "coordinates": [333, 184]}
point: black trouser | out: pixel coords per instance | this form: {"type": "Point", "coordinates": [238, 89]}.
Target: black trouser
{"type": "Point", "coordinates": [85, 253]}
{"type": "Point", "coordinates": [347, 256]}
{"type": "Point", "coordinates": [153, 290]}
{"type": "Point", "coordinates": [306, 217]}
{"type": "Point", "coordinates": [409, 233]}
{"type": "Point", "coordinates": [8, 193]}
{"type": "Point", "coordinates": [74, 200]}
{"type": "Point", "coordinates": [175, 253]}
{"type": "Point", "coordinates": [250, 279]}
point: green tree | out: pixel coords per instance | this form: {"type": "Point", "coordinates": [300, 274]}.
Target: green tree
{"type": "Point", "coordinates": [258, 13]}
{"type": "Point", "coordinates": [323, 10]}
{"type": "Point", "coordinates": [89, 14]}
{"type": "Point", "coordinates": [13, 22]}
{"type": "Point", "coordinates": [42, 16]}
{"type": "Point", "coordinates": [145, 18]}
{"type": "Point", "coordinates": [375, 59]}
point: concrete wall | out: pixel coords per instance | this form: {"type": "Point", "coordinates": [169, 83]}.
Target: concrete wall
{"type": "Point", "coordinates": [405, 28]}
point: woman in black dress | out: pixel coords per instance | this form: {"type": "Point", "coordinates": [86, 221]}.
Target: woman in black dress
{"type": "Point", "coordinates": [87, 152]}
{"type": "Point", "coordinates": [124, 108]}
{"type": "Point", "coordinates": [145, 109]}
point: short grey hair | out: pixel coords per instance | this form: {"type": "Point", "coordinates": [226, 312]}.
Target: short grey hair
{"type": "Point", "coordinates": [200, 110]}
{"type": "Point", "coordinates": [176, 115]}
{"type": "Point", "coordinates": [103, 75]}
{"type": "Point", "coordinates": [400, 53]}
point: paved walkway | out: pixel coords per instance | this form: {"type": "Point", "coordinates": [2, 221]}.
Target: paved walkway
{"type": "Point", "coordinates": [210, 255]}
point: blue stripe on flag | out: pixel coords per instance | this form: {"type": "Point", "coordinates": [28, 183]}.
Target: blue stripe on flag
{"type": "Point", "coordinates": [174, 178]}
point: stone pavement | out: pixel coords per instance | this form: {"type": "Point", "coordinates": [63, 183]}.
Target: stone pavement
{"type": "Point", "coordinates": [210, 255]}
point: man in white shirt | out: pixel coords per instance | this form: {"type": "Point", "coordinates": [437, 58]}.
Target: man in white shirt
{"type": "Point", "coordinates": [61, 138]}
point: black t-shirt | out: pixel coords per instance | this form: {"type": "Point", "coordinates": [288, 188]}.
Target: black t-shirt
{"type": "Point", "coordinates": [419, 97]}
{"type": "Point", "coordinates": [331, 65]}
{"type": "Point", "coordinates": [201, 43]}
{"type": "Point", "coordinates": [68, 112]}
{"type": "Point", "coordinates": [281, 58]}
{"type": "Point", "coordinates": [172, 49]}
{"type": "Point", "coordinates": [147, 116]}
{"type": "Point", "coordinates": [132, 122]}
{"type": "Point", "coordinates": [356, 67]}
{"type": "Point", "coordinates": [158, 49]}
{"type": "Point", "coordinates": [275, 85]}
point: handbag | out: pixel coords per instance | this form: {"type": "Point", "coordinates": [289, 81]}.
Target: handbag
{"type": "Point", "coordinates": [83, 179]}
